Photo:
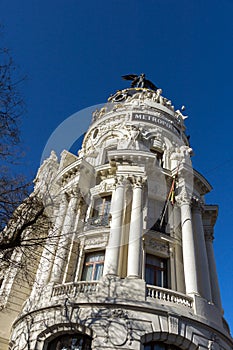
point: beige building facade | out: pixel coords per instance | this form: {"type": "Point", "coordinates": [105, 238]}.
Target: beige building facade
{"type": "Point", "coordinates": [128, 262]}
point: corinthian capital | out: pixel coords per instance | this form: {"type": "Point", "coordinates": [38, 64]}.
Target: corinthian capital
{"type": "Point", "coordinates": [184, 198]}
{"type": "Point", "coordinates": [137, 181]}
{"type": "Point", "coordinates": [197, 204]}
{"type": "Point", "coordinates": [120, 180]}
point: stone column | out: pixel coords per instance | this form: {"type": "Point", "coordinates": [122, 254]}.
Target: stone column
{"type": "Point", "coordinates": [201, 254]}
{"type": "Point", "coordinates": [65, 238]}
{"type": "Point", "coordinates": [113, 247]}
{"type": "Point", "coordinates": [135, 231]}
{"type": "Point", "coordinates": [80, 262]}
{"type": "Point", "coordinates": [48, 254]}
{"type": "Point", "coordinates": [188, 247]}
{"type": "Point", "coordinates": [71, 265]}
{"type": "Point", "coordinates": [178, 256]}
{"type": "Point", "coordinates": [212, 268]}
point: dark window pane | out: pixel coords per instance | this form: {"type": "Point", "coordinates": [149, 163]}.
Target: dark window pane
{"type": "Point", "coordinates": [71, 342]}
{"type": "Point", "coordinates": [159, 346]}
{"type": "Point", "coordinates": [156, 271]}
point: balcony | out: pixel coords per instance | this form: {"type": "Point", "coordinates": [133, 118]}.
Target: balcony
{"type": "Point", "coordinates": [97, 221]}
{"type": "Point", "coordinates": [168, 295]}
{"type": "Point", "coordinates": [87, 288]}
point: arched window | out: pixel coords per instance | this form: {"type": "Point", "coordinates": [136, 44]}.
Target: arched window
{"type": "Point", "coordinates": [159, 346]}
{"type": "Point", "coordinates": [70, 342]}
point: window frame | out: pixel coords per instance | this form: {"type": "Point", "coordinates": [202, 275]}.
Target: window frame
{"type": "Point", "coordinates": [103, 205]}
{"type": "Point", "coordinates": [94, 265]}
{"type": "Point", "coordinates": [156, 269]}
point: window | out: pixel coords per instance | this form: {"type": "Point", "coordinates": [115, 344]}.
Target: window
{"type": "Point", "coordinates": [93, 266]}
{"type": "Point", "coordinates": [71, 342]}
{"type": "Point", "coordinates": [100, 211]}
{"type": "Point", "coordinates": [159, 346]}
{"type": "Point", "coordinates": [156, 271]}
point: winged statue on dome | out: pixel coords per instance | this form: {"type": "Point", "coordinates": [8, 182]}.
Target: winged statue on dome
{"type": "Point", "coordinates": [140, 81]}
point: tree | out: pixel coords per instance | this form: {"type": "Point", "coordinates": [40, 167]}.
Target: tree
{"type": "Point", "coordinates": [13, 188]}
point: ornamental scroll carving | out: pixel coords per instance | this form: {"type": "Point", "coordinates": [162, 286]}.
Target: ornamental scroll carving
{"type": "Point", "coordinates": [117, 326]}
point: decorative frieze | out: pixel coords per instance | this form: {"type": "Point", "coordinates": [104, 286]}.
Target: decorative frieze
{"type": "Point", "coordinates": [157, 247]}
{"type": "Point", "coordinates": [96, 241]}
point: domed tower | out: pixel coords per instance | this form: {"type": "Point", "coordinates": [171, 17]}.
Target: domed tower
{"type": "Point", "coordinates": [128, 262]}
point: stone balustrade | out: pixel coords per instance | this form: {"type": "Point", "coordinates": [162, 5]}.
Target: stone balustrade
{"type": "Point", "coordinates": [74, 288]}
{"type": "Point", "coordinates": [168, 295]}
{"type": "Point", "coordinates": [152, 292]}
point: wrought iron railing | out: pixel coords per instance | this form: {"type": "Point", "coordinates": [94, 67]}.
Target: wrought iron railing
{"type": "Point", "coordinates": [101, 220]}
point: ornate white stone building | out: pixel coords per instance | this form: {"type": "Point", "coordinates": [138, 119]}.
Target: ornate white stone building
{"type": "Point", "coordinates": [129, 261]}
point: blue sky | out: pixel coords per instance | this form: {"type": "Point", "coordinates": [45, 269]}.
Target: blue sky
{"type": "Point", "coordinates": [74, 53]}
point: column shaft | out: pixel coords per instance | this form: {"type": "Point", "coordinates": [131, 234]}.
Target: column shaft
{"type": "Point", "coordinates": [190, 268]}
{"type": "Point", "coordinates": [135, 234]}
{"type": "Point", "coordinates": [213, 272]}
{"type": "Point", "coordinates": [65, 239]}
{"type": "Point", "coordinates": [201, 256]}
{"type": "Point", "coordinates": [113, 247]}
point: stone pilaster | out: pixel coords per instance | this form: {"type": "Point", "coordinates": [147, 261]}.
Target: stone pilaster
{"type": "Point", "coordinates": [135, 232]}
{"type": "Point", "coordinates": [113, 247]}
